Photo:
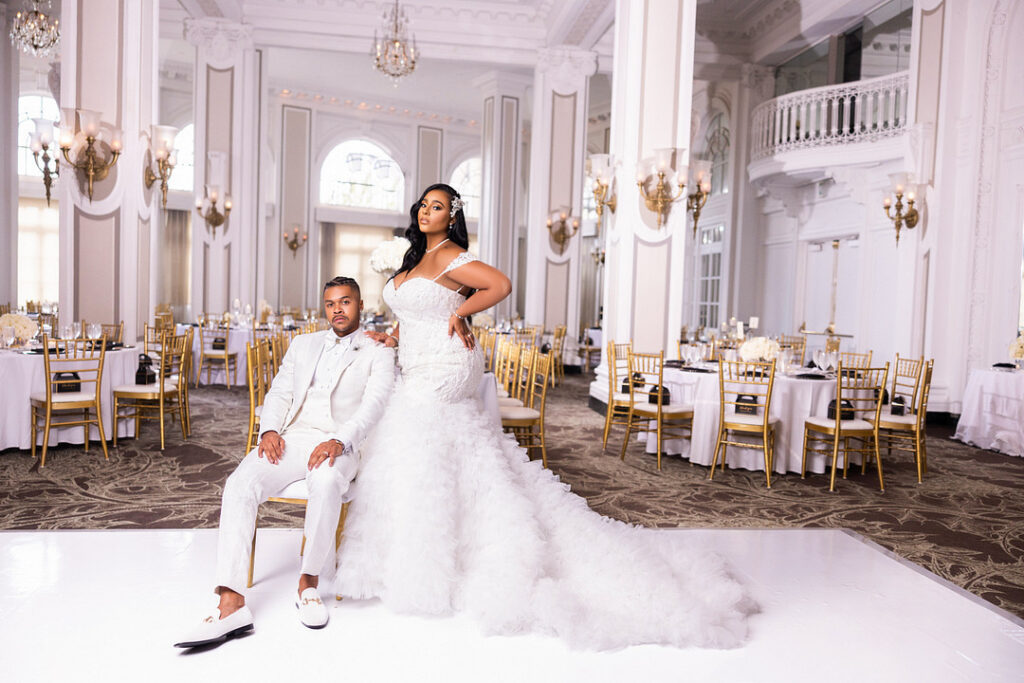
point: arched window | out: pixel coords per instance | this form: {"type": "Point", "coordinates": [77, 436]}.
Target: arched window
{"type": "Point", "coordinates": [716, 146]}
{"type": "Point", "coordinates": [467, 179]}
{"type": "Point", "coordinates": [34, 107]}
{"type": "Point", "coordinates": [361, 174]}
{"type": "Point", "coordinates": [183, 176]}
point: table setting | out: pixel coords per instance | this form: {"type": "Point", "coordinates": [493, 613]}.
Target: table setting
{"type": "Point", "coordinates": [992, 415]}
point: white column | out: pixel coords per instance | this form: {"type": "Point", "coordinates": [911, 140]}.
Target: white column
{"type": "Point", "coordinates": [557, 150]}
{"type": "Point", "coordinates": [652, 92]}
{"type": "Point", "coordinates": [502, 121]}
{"type": "Point", "coordinates": [8, 164]}
{"type": "Point", "coordinates": [227, 154]}
{"type": "Point", "coordinates": [105, 240]}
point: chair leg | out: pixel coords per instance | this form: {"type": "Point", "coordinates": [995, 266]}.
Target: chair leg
{"type": "Point", "coordinates": [113, 421]}
{"type": "Point", "coordinates": [803, 456]}
{"type": "Point", "coordinates": [181, 416]}
{"type": "Point", "coordinates": [46, 438]}
{"type": "Point", "coordinates": [252, 555]}
{"type": "Point", "coordinates": [160, 410]}
{"type": "Point", "coordinates": [718, 447]}
{"type": "Point", "coordinates": [99, 425]}
{"type": "Point", "coordinates": [199, 371]}
{"type": "Point", "coordinates": [85, 429]}
{"type": "Point", "coordinates": [35, 430]}
{"type": "Point", "coordinates": [835, 457]}
{"type": "Point", "coordinates": [543, 448]}
{"type": "Point", "coordinates": [659, 445]}
{"type": "Point", "coordinates": [607, 422]}
{"type": "Point", "coordinates": [629, 428]}
{"type": "Point", "coordinates": [767, 459]}
{"type": "Point", "coordinates": [878, 463]}
{"type": "Point", "coordinates": [924, 453]}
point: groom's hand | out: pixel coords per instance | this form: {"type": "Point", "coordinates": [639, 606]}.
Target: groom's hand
{"type": "Point", "coordinates": [328, 450]}
{"type": "Point", "coordinates": [272, 446]}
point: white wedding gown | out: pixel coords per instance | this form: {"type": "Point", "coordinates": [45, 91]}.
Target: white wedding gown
{"type": "Point", "coordinates": [450, 515]}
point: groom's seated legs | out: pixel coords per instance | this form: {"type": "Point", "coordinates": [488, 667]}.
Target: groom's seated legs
{"type": "Point", "coordinates": [327, 486]}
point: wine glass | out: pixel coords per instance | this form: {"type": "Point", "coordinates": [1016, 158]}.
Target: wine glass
{"type": "Point", "coordinates": [782, 362]}
{"type": "Point", "coordinates": [76, 329]}
{"type": "Point", "coordinates": [7, 336]}
{"type": "Point", "coordinates": [819, 358]}
{"type": "Point", "coordinates": [94, 330]}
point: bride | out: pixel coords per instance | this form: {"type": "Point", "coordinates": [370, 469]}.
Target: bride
{"type": "Point", "coordinates": [449, 513]}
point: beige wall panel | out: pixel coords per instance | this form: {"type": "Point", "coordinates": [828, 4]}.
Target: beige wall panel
{"type": "Point", "coordinates": [556, 305]}
{"type": "Point", "coordinates": [295, 155]}
{"type": "Point", "coordinates": [563, 151]}
{"type": "Point", "coordinates": [929, 80]}
{"type": "Point", "coordinates": [97, 246]}
{"type": "Point", "coordinates": [206, 277]}
{"type": "Point", "coordinates": [428, 155]}
{"type": "Point", "coordinates": [220, 88]}
{"type": "Point", "coordinates": [650, 294]}
{"type": "Point", "coordinates": [143, 304]}
{"type": "Point", "coordinates": [506, 216]}
{"type": "Point", "coordinates": [99, 68]}
{"type": "Point", "coordinates": [660, 88]}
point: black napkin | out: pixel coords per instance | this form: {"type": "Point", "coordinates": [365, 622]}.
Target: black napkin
{"type": "Point", "coordinates": [1003, 365]}
{"type": "Point", "coordinates": [810, 375]}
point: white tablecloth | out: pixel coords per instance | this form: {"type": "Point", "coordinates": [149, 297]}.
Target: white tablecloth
{"type": "Point", "coordinates": [793, 401]}
{"type": "Point", "coordinates": [487, 395]}
{"type": "Point", "coordinates": [21, 375]}
{"type": "Point", "coordinates": [237, 339]}
{"type": "Point", "coordinates": [993, 411]}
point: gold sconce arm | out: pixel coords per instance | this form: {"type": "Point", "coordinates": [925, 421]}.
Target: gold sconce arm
{"type": "Point", "coordinates": [213, 217]}
{"type": "Point", "coordinates": [661, 199]}
{"type": "Point", "coordinates": [695, 201]}
{"type": "Point", "coordinates": [165, 166]}
{"type": "Point", "coordinates": [898, 216]}
{"type": "Point", "coordinates": [561, 234]}
{"type": "Point", "coordinates": [89, 161]}
{"type": "Point", "coordinates": [293, 240]}
{"type": "Point", "coordinates": [43, 164]}
{"type": "Point", "coordinates": [601, 198]}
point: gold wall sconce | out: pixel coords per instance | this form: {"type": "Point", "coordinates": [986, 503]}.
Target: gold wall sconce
{"type": "Point", "coordinates": [659, 200]}
{"type": "Point", "coordinates": [92, 162]}
{"type": "Point", "coordinates": [293, 240]}
{"type": "Point", "coordinates": [207, 208]}
{"type": "Point", "coordinates": [558, 224]}
{"type": "Point", "coordinates": [161, 146]}
{"type": "Point", "coordinates": [597, 253]}
{"type": "Point", "coordinates": [700, 178]}
{"type": "Point", "coordinates": [897, 215]}
{"type": "Point", "coordinates": [40, 143]}
{"type": "Point", "coordinates": [601, 168]}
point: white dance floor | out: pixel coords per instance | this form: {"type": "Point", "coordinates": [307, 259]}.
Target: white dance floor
{"type": "Point", "coordinates": [108, 605]}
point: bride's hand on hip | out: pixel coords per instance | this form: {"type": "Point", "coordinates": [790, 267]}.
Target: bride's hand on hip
{"type": "Point", "coordinates": [459, 326]}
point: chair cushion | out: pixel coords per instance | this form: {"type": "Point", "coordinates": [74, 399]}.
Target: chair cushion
{"type": "Point", "coordinates": [145, 388]}
{"type": "Point", "coordinates": [889, 418]}
{"type": "Point", "coordinates": [519, 413]}
{"type": "Point", "coordinates": [620, 397]}
{"type": "Point", "coordinates": [652, 410]}
{"type": "Point", "coordinates": [504, 401]}
{"type": "Point", "coordinates": [66, 397]}
{"type": "Point", "coordinates": [743, 418]}
{"type": "Point", "coordinates": [846, 425]}
{"type": "Point", "coordinates": [502, 393]}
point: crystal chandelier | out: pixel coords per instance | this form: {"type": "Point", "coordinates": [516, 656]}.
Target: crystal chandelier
{"type": "Point", "coordinates": [393, 54]}
{"type": "Point", "coordinates": [33, 32]}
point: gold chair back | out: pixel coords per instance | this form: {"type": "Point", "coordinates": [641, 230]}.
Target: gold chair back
{"type": "Point", "coordinates": [744, 401]}
{"type": "Point", "coordinates": [906, 378]}
{"type": "Point", "coordinates": [832, 344]}
{"type": "Point", "coordinates": [797, 344]}
{"type": "Point", "coordinates": [849, 359]}
{"type": "Point", "coordinates": [114, 332]}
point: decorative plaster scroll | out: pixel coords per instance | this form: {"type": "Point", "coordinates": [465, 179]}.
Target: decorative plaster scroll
{"type": "Point", "coordinates": [220, 38]}
{"type": "Point", "coordinates": [568, 67]}
{"type": "Point", "coordinates": [759, 79]}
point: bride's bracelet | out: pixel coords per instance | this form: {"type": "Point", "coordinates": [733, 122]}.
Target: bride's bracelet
{"type": "Point", "coordinates": [460, 317]}
{"type": "Point", "coordinates": [393, 337]}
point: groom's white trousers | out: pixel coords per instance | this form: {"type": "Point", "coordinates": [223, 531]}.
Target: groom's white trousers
{"type": "Point", "coordinates": [256, 479]}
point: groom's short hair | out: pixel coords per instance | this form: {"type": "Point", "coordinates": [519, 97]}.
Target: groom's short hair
{"type": "Point", "coordinates": [342, 281]}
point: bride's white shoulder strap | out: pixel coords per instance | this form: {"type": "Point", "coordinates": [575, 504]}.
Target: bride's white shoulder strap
{"type": "Point", "coordinates": [460, 260]}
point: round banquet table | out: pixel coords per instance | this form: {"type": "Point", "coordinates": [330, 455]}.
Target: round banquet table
{"type": "Point", "coordinates": [237, 339]}
{"type": "Point", "coordinates": [993, 411]}
{"type": "Point", "coordinates": [22, 374]}
{"type": "Point", "coordinates": [793, 401]}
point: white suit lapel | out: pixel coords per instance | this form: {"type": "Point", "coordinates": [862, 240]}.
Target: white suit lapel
{"type": "Point", "coordinates": [351, 355]}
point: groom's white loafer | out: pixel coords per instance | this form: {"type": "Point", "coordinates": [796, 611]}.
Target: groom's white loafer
{"type": "Point", "coordinates": [213, 629]}
{"type": "Point", "coordinates": [312, 612]}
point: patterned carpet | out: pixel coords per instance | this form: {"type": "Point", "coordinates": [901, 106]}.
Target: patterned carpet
{"type": "Point", "coordinates": [964, 523]}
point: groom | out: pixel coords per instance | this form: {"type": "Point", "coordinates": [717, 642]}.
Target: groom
{"type": "Point", "coordinates": [331, 389]}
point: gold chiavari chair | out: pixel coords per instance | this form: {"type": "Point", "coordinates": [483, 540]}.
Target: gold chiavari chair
{"type": "Point", "coordinates": [254, 383]}
{"type": "Point", "coordinates": [526, 422]}
{"type": "Point", "coordinates": [486, 338]}
{"type": "Point", "coordinates": [278, 347]}
{"type": "Point", "coordinates": [557, 354]}
{"type": "Point", "coordinates": [152, 340]}
{"type": "Point", "coordinates": [832, 344]}
{"type": "Point", "coordinates": [510, 355]}
{"type": "Point", "coordinates": [527, 336]}
{"type": "Point", "coordinates": [797, 344]}
{"type": "Point", "coordinates": [49, 320]}
{"type": "Point", "coordinates": [31, 307]}
{"type": "Point", "coordinates": [670, 421]}
{"type": "Point", "coordinates": [906, 432]}
{"type": "Point", "coordinates": [215, 349]}
{"type": "Point", "coordinates": [719, 346]}
{"type": "Point", "coordinates": [617, 410]}
{"type": "Point", "coordinates": [296, 493]}
{"type": "Point", "coordinates": [5, 309]}
{"type": "Point", "coordinates": [744, 402]}
{"type": "Point", "coordinates": [73, 372]}
{"type": "Point", "coordinates": [849, 359]}
{"type": "Point", "coordinates": [857, 406]}
{"type": "Point", "coordinates": [519, 377]}
{"type": "Point", "coordinates": [906, 378]}
{"type": "Point", "coordinates": [163, 397]}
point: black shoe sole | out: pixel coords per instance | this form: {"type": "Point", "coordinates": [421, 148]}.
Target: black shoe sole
{"type": "Point", "coordinates": [241, 630]}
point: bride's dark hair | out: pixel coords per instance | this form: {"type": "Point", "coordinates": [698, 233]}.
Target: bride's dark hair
{"type": "Point", "coordinates": [457, 232]}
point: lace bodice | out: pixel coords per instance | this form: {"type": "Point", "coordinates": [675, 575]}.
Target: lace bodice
{"type": "Point", "coordinates": [426, 354]}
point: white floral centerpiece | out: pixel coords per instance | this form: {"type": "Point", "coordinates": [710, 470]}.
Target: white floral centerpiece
{"type": "Point", "coordinates": [387, 257]}
{"type": "Point", "coordinates": [24, 327]}
{"type": "Point", "coordinates": [759, 349]}
{"type": "Point", "coordinates": [1017, 348]}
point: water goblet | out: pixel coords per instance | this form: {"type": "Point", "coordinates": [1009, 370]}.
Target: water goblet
{"type": "Point", "coordinates": [819, 358]}
{"type": "Point", "coordinates": [7, 336]}
{"type": "Point", "coordinates": [76, 329]}
{"type": "Point", "coordinates": [94, 330]}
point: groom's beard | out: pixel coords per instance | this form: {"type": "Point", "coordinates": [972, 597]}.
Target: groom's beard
{"type": "Point", "coordinates": [343, 327]}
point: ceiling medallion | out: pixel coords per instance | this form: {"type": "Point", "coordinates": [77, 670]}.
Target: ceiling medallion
{"type": "Point", "coordinates": [33, 32]}
{"type": "Point", "coordinates": [393, 54]}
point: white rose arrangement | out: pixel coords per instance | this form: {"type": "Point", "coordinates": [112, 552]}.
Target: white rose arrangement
{"type": "Point", "coordinates": [387, 257]}
{"type": "Point", "coordinates": [24, 328]}
{"type": "Point", "coordinates": [759, 348]}
{"type": "Point", "coordinates": [1017, 348]}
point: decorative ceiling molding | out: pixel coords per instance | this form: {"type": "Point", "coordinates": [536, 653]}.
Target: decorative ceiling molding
{"type": "Point", "coordinates": [370, 105]}
{"type": "Point", "coordinates": [567, 67]}
{"type": "Point", "coordinates": [221, 39]}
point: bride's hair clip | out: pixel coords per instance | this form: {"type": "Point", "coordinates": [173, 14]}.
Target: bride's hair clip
{"type": "Point", "coordinates": [457, 205]}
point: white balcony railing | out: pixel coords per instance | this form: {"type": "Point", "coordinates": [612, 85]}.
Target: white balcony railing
{"type": "Point", "coordinates": [864, 111]}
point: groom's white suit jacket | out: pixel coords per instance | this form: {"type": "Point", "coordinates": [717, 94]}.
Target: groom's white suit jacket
{"type": "Point", "coordinates": [364, 383]}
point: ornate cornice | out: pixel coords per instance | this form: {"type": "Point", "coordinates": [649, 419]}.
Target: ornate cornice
{"type": "Point", "coordinates": [222, 39]}
{"type": "Point", "coordinates": [759, 79]}
{"type": "Point", "coordinates": [567, 67]}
